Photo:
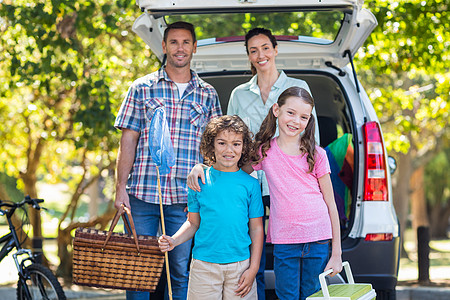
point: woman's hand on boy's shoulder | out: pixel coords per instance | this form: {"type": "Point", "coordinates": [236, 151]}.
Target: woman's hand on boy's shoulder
{"type": "Point", "coordinates": [196, 173]}
{"type": "Point", "coordinates": [166, 243]}
{"type": "Point", "coordinates": [245, 282]}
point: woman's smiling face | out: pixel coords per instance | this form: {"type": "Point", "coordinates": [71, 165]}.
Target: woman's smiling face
{"type": "Point", "coordinates": [261, 52]}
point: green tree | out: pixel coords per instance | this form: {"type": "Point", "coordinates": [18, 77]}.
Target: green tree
{"type": "Point", "coordinates": [64, 69]}
{"type": "Point", "coordinates": [404, 67]}
{"type": "Point", "coordinates": [437, 188]}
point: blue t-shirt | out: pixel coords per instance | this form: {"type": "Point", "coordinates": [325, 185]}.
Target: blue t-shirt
{"type": "Point", "coordinates": [226, 203]}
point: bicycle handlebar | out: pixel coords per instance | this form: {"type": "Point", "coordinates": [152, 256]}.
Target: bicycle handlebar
{"type": "Point", "coordinates": [33, 202]}
{"type": "Point", "coordinates": [27, 200]}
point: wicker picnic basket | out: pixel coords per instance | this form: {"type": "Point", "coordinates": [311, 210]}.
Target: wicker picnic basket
{"type": "Point", "coordinates": [116, 260]}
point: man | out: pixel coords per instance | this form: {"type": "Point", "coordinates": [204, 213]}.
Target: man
{"type": "Point", "coordinates": [189, 103]}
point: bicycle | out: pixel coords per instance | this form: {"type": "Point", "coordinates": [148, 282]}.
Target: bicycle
{"type": "Point", "coordinates": [35, 280]}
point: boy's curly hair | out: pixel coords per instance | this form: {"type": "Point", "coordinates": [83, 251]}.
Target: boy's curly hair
{"type": "Point", "coordinates": [230, 123]}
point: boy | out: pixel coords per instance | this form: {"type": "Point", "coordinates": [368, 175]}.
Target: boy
{"type": "Point", "coordinates": [225, 217]}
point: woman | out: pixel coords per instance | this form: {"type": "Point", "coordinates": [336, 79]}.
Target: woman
{"type": "Point", "coordinates": [252, 100]}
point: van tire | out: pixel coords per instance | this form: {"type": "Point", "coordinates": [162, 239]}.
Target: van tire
{"type": "Point", "coordinates": [386, 294]}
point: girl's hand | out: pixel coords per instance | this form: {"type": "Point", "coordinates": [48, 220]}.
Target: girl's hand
{"type": "Point", "coordinates": [196, 173]}
{"type": "Point", "coordinates": [245, 283]}
{"type": "Point", "coordinates": [166, 243]}
{"type": "Point", "coordinates": [334, 263]}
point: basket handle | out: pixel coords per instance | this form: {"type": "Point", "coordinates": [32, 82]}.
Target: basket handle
{"type": "Point", "coordinates": [125, 213]}
{"type": "Point", "coordinates": [323, 283]}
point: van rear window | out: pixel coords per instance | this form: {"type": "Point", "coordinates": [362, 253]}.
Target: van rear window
{"type": "Point", "coordinates": [321, 25]}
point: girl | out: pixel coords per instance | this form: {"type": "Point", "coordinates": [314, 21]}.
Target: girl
{"type": "Point", "coordinates": [252, 100]}
{"type": "Point", "coordinates": [303, 215]}
{"type": "Point", "coordinates": [225, 217]}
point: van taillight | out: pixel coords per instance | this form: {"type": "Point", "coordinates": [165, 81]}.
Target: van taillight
{"type": "Point", "coordinates": [377, 237]}
{"type": "Point", "coordinates": [375, 180]}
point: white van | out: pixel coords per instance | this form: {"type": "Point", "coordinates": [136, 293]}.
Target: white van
{"type": "Point", "coordinates": [317, 40]}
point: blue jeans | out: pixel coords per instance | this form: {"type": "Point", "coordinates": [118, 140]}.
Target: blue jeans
{"type": "Point", "coordinates": [260, 280]}
{"type": "Point", "coordinates": [297, 268]}
{"type": "Point", "coordinates": [146, 217]}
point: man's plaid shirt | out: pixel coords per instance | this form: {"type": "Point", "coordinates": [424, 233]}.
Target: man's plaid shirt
{"type": "Point", "coordinates": [186, 118]}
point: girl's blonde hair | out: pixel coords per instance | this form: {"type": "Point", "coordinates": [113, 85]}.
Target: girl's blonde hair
{"type": "Point", "coordinates": [269, 127]}
{"type": "Point", "coordinates": [230, 123]}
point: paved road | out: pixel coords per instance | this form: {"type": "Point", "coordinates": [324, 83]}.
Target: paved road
{"type": "Point", "coordinates": [403, 293]}
{"type": "Point", "coordinates": [7, 293]}
{"type": "Point", "coordinates": [423, 293]}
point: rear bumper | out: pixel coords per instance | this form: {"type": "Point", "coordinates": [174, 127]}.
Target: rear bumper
{"type": "Point", "coordinates": [373, 262]}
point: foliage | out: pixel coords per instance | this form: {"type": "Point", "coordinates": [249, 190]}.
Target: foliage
{"type": "Point", "coordinates": [405, 69]}
{"type": "Point", "coordinates": [64, 70]}
{"type": "Point", "coordinates": [8, 190]}
{"type": "Point", "coordinates": [437, 190]}
{"type": "Point", "coordinates": [437, 180]}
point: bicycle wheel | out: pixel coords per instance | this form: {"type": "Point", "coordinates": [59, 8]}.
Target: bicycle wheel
{"type": "Point", "coordinates": [42, 284]}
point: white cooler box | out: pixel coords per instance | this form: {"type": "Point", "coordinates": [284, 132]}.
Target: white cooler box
{"type": "Point", "coordinates": [346, 291]}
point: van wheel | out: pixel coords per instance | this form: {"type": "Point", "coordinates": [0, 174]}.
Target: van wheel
{"type": "Point", "coordinates": [385, 294]}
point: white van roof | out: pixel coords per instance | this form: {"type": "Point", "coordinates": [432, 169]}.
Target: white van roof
{"type": "Point", "coordinates": [228, 53]}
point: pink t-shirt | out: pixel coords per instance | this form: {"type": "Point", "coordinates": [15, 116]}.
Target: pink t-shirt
{"type": "Point", "coordinates": [298, 212]}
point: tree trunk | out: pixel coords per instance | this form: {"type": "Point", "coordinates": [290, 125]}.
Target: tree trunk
{"type": "Point", "coordinates": [29, 178]}
{"type": "Point", "coordinates": [439, 217]}
{"type": "Point", "coordinates": [93, 192]}
{"type": "Point", "coordinates": [401, 193]}
{"type": "Point", "coordinates": [37, 240]}
{"type": "Point", "coordinates": [64, 269]}
{"type": "Point", "coordinates": [418, 201]}
{"type": "Point", "coordinates": [420, 223]}
{"type": "Point", "coordinates": [30, 181]}
{"type": "Point", "coordinates": [21, 235]}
